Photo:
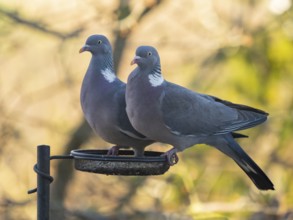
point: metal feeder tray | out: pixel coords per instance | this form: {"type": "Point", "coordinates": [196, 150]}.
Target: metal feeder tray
{"type": "Point", "coordinates": [97, 161]}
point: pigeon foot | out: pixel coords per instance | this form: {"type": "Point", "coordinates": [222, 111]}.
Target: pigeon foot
{"type": "Point", "coordinates": [171, 156]}
{"type": "Point", "coordinates": [113, 151]}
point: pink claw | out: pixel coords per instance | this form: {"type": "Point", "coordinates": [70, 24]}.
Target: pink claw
{"type": "Point", "coordinates": [171, 156]}
{"type": "Point", "coordinates": [113, 151]}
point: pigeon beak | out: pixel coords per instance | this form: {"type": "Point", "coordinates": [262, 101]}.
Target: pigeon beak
{"type": "Point", "coordinates": [84, 48]}
{"type": "Point", "coordinates": [135, 59]}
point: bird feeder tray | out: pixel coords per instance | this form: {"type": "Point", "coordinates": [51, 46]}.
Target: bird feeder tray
{"type": "Point", "coordinates": [97, 161]}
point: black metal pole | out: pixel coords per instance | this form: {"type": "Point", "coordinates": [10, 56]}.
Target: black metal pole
{"type": "Point", "coordinates": [43, 192]}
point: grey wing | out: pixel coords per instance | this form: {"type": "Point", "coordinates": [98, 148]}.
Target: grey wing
{"type": "Point", "coordinates": [124, 124]}
{"type": "Point", "coordinates": [189, 113]}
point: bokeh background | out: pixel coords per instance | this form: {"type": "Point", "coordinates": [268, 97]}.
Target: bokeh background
{"type": "Point", "coordinates": [237, 50]}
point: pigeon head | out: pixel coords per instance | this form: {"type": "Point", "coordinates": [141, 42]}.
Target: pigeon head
{"type": "Point", "coordinates": [97, 44]}
{"type": "Point", "coordinates": [146, 57]}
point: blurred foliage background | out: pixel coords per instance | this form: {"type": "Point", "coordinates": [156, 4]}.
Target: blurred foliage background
{"type": "Point", "coordinates": [241, 51]}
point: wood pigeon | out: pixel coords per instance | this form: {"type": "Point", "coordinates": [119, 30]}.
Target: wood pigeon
{"type": "Point", "coordinates": [172, 114]}
{"type": "Point", "coordinates": [102, 100]}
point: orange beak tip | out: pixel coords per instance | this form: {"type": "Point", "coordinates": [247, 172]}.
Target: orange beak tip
{"type": "Point", "coordinates": [133, 62]}
{"type": "Point", "coordinates": [84, 48]}
{"type": "Point", "coordinates": [135, 59]}
{"type": "Point", "coordinates": [81, 50]}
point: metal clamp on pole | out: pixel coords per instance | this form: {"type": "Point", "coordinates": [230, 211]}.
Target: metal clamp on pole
{"type": "Point", "coordinates": [42, 168]}
{"type": "Point", "coordinates": [43, 181]}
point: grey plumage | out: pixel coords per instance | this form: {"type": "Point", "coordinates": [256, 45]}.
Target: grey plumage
{"type": "Point", "coordinates": [103, 99]}
{"type": "Point", "coordinates": [172, 114]}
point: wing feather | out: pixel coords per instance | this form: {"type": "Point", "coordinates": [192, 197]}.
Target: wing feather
{"type": "Point", "coordinates": [186, 112]}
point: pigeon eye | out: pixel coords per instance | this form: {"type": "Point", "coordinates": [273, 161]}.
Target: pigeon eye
{"type": "Point", "coordinates": [149, 53]}
{"type": "Point", "coordinates": [99, 41]}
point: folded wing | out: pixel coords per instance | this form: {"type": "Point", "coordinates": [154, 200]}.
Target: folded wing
{"type": "Point", "coordinates": [186, 112]}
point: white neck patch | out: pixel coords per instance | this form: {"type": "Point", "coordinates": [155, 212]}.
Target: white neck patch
{"type": "Point", "coordinates": [108, 75]}
{"type": "Point", "coordinates": [156, 79]}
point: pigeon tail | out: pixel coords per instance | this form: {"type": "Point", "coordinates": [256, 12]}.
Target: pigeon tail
{"type": "Point", "coordinates": [238, 135]}
{"type": "Point", "coordinates": [253, 171]}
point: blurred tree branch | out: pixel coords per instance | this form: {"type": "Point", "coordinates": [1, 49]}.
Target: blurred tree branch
{"type": "Point", "coordinates": [276, 159]}
{"type": "Point", "coordinates": [7, 207]}
{"type": "Point", "coordinates": [5, 202]}
{"type": "Point", "coordinates": [38, 25]}
{"type": "Point", "coordinates": [133, 188]}
{"type": "Point", "coordinates": [64, 170]}
{"type": "Point", "coordinates": [86, 215]}
{"type": "Point", "coordinates": [127, 20]}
